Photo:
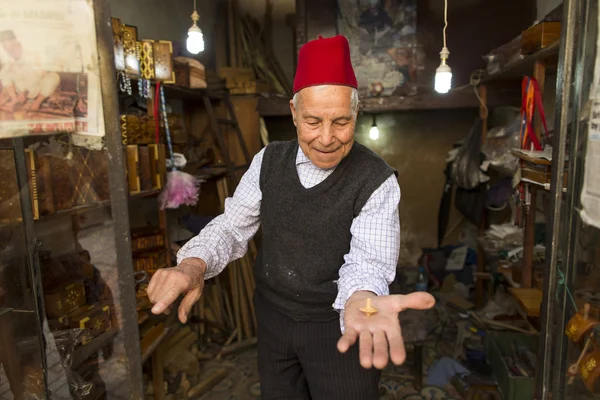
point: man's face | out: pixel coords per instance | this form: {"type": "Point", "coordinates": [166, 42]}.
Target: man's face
{"type": "Point", "coordinates": [13, 48]}
{"type": "Point", "coordinates": [325, 123]}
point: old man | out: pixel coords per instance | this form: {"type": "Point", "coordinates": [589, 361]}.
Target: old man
{"type": "Point", "coordinates": [328, 208]}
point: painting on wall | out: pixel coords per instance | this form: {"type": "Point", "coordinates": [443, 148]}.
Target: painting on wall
{"type": "Point", "coordinates": [383, 45]}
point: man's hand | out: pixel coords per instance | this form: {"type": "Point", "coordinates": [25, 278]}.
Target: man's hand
{"type": "Point", "coordinates": [380, 336]}
{"type": "Point", "coordinates": [168, 283]}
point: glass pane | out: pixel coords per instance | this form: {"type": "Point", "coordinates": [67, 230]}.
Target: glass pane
{"type": "Point", "coordinates": [76, 264]}
{"type": "Point", "coordinates": [20, 352]}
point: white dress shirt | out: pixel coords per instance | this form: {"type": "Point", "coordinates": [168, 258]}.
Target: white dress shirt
{"type": "Point", "coordinates": [374, 248]}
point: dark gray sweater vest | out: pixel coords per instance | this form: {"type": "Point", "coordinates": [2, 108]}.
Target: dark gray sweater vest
{"type": "Point", "coordinates": [306, 232]}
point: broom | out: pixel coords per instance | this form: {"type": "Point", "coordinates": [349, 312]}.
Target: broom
{"type": "Point", "coordinates": [181, 188]}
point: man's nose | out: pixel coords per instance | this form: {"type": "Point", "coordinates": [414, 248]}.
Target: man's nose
{"type": "Point", "coordinates": [327, 137]}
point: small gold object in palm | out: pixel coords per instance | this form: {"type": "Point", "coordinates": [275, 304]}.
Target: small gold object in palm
{"type": "Point", "coordinates": [368, 309]}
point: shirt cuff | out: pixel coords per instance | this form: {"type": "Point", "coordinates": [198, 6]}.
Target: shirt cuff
{"type": "Point", "coordinates": [202, 253]}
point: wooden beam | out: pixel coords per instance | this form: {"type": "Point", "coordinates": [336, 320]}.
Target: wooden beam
{"type": "Point", "coordinates": [279, 106]}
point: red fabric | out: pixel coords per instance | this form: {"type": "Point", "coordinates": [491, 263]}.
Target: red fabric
{"type": "Point", "coordinates": [325, 62]}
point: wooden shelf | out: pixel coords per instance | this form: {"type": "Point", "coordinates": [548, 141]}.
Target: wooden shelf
{"type": "Point", "coordinates": [523, 66]}
{"type": "Point", "coordinates": [100, 204]}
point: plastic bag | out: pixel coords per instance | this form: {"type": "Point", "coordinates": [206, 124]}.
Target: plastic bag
{"type": "Point", "coordinates": [466, 167]}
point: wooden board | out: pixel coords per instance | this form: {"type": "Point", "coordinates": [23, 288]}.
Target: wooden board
{"type": "Point", "coordinates": [530, 300]}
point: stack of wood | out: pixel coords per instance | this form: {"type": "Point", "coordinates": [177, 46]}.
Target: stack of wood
{"type": "Point", "coordinates": [242, 81]}
{"type": "Point", "coordinates": [189, 370]}
{"type": "Point", "coordinates": [226, 305]}
{"type": "Point", "coordinates": [261, 59]}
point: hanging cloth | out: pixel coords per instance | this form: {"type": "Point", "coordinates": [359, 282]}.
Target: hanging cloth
{"type": "Point", "coordinates": [531, 98]}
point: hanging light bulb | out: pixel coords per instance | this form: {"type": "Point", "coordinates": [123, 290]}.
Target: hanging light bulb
{"type": "Point", "coordinates": [195, 39]}
{"type": "Point", "coordinates": [374, 131]}
{"type": "Point", "coordinates": [443, 74]}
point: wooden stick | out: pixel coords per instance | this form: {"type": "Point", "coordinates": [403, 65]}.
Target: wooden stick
{"type": "Point", "coordinates": [208, 383]}
{"type": "Point", "coordinates": [231, 337]}
{"type": "Point", "coordinates": [231, 349]}
{"type": "Point", "coordinates": [230, 314]}
{"type": "Point", "coordinates": [202, 315]}
{"type": "Point", "coordinates": [507, 326]}
{"type": "Point", "coordinates": [216, 302]}
{"type": "Point", "coordinates": [243, 301]}
{"type": "Point", "coordinates": [573, 368]}
{"type": "Point", "coordinates": [235, 299]}
{"type": "Point", "coordinates": [226, 307]}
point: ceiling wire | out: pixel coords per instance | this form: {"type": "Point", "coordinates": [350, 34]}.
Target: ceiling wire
{"type": "Point", "coordinates": [445, 20]}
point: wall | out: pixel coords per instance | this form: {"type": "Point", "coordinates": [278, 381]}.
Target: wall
{"type": "Point", "coordinates": [545, 6]}
{"type": "Point", "coordinates": [415, 143]}
{"type": "Point", "coordinates": [474, 28]}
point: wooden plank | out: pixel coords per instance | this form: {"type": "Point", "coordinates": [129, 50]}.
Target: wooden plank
{"type": "Point", "coordinates": [529, 159]}
{"type": "Point", "coordinates": [529, 299]}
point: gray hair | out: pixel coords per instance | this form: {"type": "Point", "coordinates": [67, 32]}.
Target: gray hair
{"type": "Point", "coordinates": [353, 98]}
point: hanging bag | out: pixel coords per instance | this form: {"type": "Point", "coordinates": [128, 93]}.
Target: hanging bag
{"type": "Point", "coordinates": [466, 167]}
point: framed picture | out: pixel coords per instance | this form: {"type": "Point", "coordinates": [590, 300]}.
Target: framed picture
{"type": "Point", "coordinates": [383, 45]}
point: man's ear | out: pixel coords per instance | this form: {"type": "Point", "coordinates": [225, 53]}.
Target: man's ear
{"type": "Point", "coordinates": [293, 110]}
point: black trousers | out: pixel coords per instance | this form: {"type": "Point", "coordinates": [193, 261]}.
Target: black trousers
{"type": "Point", "coordinates": [300, 360]}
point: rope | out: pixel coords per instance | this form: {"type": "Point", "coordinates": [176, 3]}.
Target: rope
{"type": "Point", "coordinates": [561, 282]}
{"type": "Point", "coordinates": [475, 80]}
{"type": "Point", "coordinates": [167, 131]}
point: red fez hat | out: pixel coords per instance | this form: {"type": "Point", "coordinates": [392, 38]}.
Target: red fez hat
{"type": "Point", "coordinates": [325, 62]}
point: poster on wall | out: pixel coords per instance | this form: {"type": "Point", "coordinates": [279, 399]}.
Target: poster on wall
{"type": "Point", "coordinates": [383, 45]}
{"type": "Point", "coordinates": [49, 80]}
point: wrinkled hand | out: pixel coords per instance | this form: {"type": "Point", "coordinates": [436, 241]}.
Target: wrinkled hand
{"type": "Point", "coordinates": [168, 283]}
{"type": "Point", "coordinates": [380, 335]}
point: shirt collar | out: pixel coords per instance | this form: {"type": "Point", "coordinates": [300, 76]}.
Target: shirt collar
{"type": "Point", "coordinates": [301, 157]}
